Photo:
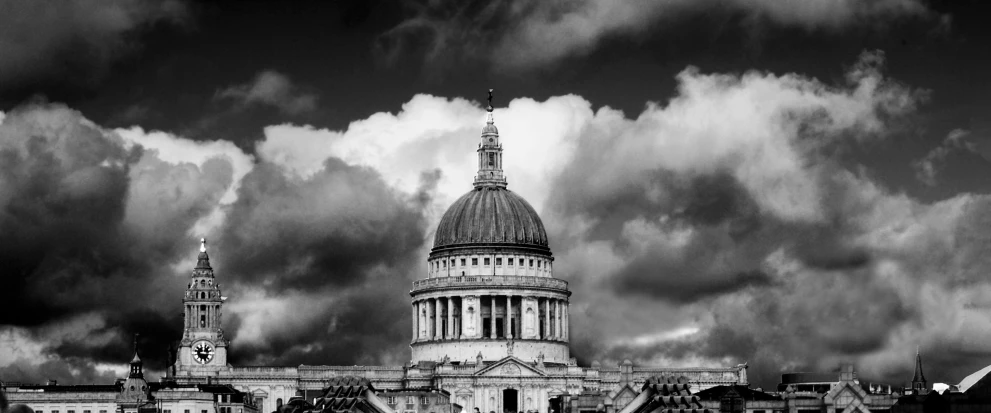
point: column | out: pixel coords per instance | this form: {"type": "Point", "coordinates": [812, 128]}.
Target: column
{"type": "Point", "coordinates": [464, 316]}
{"type": "Point", "coordinates": [415, 320]}
{"type": "Point", "coordinates": [430, 315]}
{"type": "Point", "coordinates": [450, 319]}
{"type": "Point", "coordinates": [557, 319]}
{"type": "Point", "coordinates": [438, 320]}
{"type": "Point", "coordinates": [547, 320]}
{"type": "Point", "coordinates": [565, 324]}
{"type": "Point", "coordinates": [492, 318]}
{"type": "Point", "coordinates": [509, 316]}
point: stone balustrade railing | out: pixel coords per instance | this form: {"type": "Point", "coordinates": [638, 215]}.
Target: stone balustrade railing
{"type": "Point", "coordinates": [490, 281]}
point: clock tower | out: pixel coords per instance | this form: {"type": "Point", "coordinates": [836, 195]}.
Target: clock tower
{"type": "Point", "coordinates": [203, 349]}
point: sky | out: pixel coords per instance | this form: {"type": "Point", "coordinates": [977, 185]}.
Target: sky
{"type": "Point", "coordinates": [784, 184]}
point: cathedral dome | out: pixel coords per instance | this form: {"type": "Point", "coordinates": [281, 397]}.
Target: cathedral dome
{"type": "Point", "coordinates": [491, 216]}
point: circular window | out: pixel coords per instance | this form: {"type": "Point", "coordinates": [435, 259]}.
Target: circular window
{"type": "Point", "coordinates": [490, 140]}
{"type": "Point", "coordinates": [132, 388]}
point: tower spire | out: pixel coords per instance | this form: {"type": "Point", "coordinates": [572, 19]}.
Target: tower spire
{"type": "Point", "coordinates": [919, 380]}
{"type": "Point", "coordinates": [136, 361]}
{"type": "Point", "coordinates": [203, 261]}
{"type": "Point", "coordinates": [490, 153]}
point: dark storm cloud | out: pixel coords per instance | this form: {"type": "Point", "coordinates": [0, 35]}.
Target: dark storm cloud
{"type": "Point", "coordinates": [325, 231]}
{"type": "Point", "coordinates": [97, 223]}
{"type": "Point", "coordinates": [72, 43]}
{"type": "Point", "coordinates": [527, 34]}
{"type": "Point", "coordinates": [330, 256]}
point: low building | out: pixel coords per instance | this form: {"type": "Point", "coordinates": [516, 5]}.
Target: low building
{"type": "Point", "coordinates": [131, 395]}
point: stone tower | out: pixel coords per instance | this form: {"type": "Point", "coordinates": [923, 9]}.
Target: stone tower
{"type": "Point", "coordinates": [203, 348]}
{"type": "Point", "coordinates": [490, 291]}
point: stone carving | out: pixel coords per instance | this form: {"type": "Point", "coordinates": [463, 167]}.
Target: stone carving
{"type": "Point", "coordinates": [510, 370]}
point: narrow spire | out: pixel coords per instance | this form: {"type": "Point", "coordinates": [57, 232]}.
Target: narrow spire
{"type": "Point", "coordinates": [136, 359]}
{"type": "Point", "coordinates": [489, 109]}
{"type": "Point", "coordinates": [919, 377]}
{"type": "Point", "coordinates": [202, 244]}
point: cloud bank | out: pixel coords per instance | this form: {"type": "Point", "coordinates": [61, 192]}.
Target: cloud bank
{"type": "Point", "coordinates": [527, 34]}
{"type": "Point", "coordinates": [714, 228]}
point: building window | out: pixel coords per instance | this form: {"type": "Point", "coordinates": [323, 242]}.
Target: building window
{"type": "Point", "coordinates": [445, 264]}
{"type": "Point", "coordinates": [531, 263]}
{"type": "Point", "coordinates": [452, 262]}
{"type": "Point", "coordinates": [499, 261]}
{"type": "Point", "coordinates": [54, 411]}
{"type": "Point", "coordinates": [87, 411]}
{"type": "Point", "coordinates": [509, 261]}
{"type": "Point", "coordinates": [71, 411]}
{"type": "Point", "coordinates": [463, 262]}
{"type": "Point", "coordinates": [202, 411]}
{"type": "Point", "coordinates": [423, 399]}
{"type": "Point", "coordinates": [411, 400]}
{"type": "Point", "coordinates": [538, 264]}
{"type": "Point", "coordinates": [185, 411]}
{"type": "Point", "coordinates": [487, 261]}
{"type": "Point", "coordinates": [474, 262]}
{"type": "Point", "coordinates": [392, 400]}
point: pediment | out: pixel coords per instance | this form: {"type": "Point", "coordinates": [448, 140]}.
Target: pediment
{"type": "Point", "coordinates": [510, 367]}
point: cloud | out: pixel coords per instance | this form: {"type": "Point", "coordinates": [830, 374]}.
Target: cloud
{"type": "Point", "coordinates": [525, 34]}
{"type": "Point", "coordinates": [102, 216]}
{"type": "Point", "coordinates": [73, 41]}
{"type": "Point", "coordinates": [97, 221]}
{"type": "Point", "coordinates": [927, 167]}
{"type": "Point", "coordinates": [713, 228]}
{"type": "Point", "coordinates": [273, 89]}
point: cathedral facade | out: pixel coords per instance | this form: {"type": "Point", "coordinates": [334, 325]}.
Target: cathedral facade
{"type": "Point", "coordinates": [490, 327]}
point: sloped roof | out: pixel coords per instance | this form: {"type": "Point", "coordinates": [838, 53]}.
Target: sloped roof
{"type": "Point", "coordinates": [717, 392]}
{"type": "Point", "coordinates": [347, 394]}
{"type": "Point", "coordinates": [669, 394]}
{"type": "Point", "coordinates": [973, 378]}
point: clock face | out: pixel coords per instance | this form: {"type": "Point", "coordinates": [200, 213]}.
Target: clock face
{"type": "Point", "coordinates": [203, 352]}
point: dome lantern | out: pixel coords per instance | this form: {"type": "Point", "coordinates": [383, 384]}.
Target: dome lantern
{"type": "Point", "coordinates": [490, 172]}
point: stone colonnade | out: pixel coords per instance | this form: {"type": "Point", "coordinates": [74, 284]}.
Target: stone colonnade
{"type": "Point", "coordinates": [486, 316]}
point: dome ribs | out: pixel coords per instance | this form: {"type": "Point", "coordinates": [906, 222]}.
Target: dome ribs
{"type": "Point", "coordinates": [490, 215]}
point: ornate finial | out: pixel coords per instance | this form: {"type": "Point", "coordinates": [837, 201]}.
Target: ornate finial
{"type": "Point", "coordinates": [202, 244]}
{"type": "Point", "coordinates": [135, 343]}
{"type": "Point", "coordinates": [490, 100]}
